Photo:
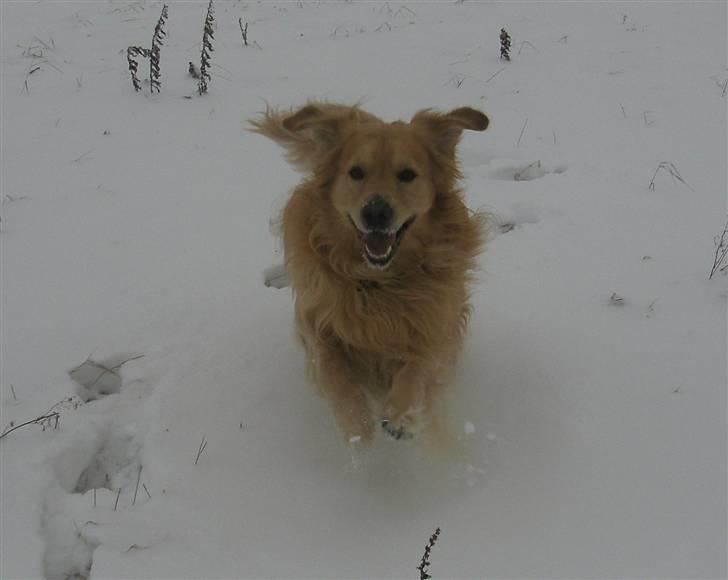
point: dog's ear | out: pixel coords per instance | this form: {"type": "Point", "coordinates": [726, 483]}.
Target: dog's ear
{"type": "Point", "coordinates": [445, 129]}
{"type": "Point", "coordinates": [307, 134]}
{"type": "Point", "coordinates": [315, 124]}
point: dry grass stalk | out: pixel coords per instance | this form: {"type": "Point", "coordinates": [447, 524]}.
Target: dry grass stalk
{"type": "Point", "coordinates": [672, 170]}
{"type": "Point", "coordinates": [207, 38]}
{"type": "Point", "coordinates": [243, 31]}
{"type": "Point", "coordinates": [203, 446]}
{"type": "Point", "coordinates": [43, 420]}
{"type": "Point", "coordinates": [505, 48]}
{"type": "Point", "coordinates": [425, 562]}
{"type": "Point", "coordinates": [720, 263]}
{"type": "Point", "coordinates": [154, 53]}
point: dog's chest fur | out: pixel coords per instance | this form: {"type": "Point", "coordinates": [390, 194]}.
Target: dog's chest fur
{"type": "Point", "coordinates": [402, 320]}
{"type": "Point", "coordinates": [414, 311]}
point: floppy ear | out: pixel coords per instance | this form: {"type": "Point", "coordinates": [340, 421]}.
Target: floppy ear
{"type": "Point", "coordinates": [444, 130]}
{"type": "Point", "coordinates": [316, 123]}
{"type": "Point", "coordinates": [307, 135]}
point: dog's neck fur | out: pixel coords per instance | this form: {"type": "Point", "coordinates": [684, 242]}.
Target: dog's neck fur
{"type": "Point", "coordinates": [406, 312]}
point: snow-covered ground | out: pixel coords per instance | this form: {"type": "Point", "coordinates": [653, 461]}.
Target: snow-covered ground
{"type": "Point", "coordinates": [591, 396]}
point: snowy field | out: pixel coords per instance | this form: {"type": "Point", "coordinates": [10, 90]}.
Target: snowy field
{"type": "Point", "coordinates": [591, 395]}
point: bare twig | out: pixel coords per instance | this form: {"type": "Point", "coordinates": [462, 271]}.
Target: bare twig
{"type": "Point", "coordinates": [203, 445]}
{"type": "Point", "coordinates": [136, 489]}
{"type": "Point", "coordinates": [116, 503]}
{"type": "Point", "coordinates": [669, 167]}
{"type": "Point", "coordinates": [37, 421]}
{"type": "Point", "coordinates": [523, 129]}
{"type": "Point", "coordinates": [243, 31]}
{"type": "Point", "coordinates": [491, 77]}
{"type": "Point", "coordinates": [400, 10]}
{"type": "Point", "coordinates": [524, 43]}
{"type": "Point", "coordinates": [12, 391]}
{"type": "Point", "coordinates": [149, 495]}
{"type": "Point", "coordinates": [46, 45]}
{"type": "Point", "coordinates": [425, 562]}
{"type": "Point", "coordinates": [456, 80]}
{"type": "Point", "coordinates": [82, 157]}
{"type": "Point", "coordinates": [722, 85]}
{"type": "Point", "coordinates": [63, 405]}
{"type": "Point", "coordinates": [37, 65]}
{"type": "Point", "coordinates": [721, 252]}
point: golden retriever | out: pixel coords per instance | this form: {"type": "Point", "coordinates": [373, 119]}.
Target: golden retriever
{"type": "Point", "coordinates": [380, 249]}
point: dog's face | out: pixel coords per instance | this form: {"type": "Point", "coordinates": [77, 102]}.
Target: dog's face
{"type": "Point", "coordinates": [383, 177]}
{"type": "Point", "coordinates": [383, 184]}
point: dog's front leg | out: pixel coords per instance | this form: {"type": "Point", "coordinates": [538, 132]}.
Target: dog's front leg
{"type": "Point", "coordinates": [348, 401]}
{"type": "Point", "coordinates": [407, 406]}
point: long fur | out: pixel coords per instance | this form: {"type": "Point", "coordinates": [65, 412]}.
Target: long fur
{"type": "Point", "coordinates": [302, 148]}
{"type": "Point", "coordinates": [411, 316]}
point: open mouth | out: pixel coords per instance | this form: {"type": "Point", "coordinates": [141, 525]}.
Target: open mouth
{"type": "Point", "coordinates": [379, 246]}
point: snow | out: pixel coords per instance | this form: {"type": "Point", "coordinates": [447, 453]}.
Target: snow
{"type": "Point", "coordinates": [137, 231]}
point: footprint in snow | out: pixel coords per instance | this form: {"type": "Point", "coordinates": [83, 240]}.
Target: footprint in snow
{"type": "Point", "coordinates": [97, 379]}
{"type": "Point", "coordinates": [96, 472]}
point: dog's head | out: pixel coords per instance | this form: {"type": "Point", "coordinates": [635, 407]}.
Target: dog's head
{"type": "Point", "coordinates": [381, 177]}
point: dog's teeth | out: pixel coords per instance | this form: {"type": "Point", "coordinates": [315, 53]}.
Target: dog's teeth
{"type": "Point", "coordinates": [380, 256]}
{"type": "Point", "coordinates": [379, 245]}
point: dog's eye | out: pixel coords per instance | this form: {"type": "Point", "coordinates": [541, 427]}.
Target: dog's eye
{"type": "Point", "coordinates": [356, 173]}
{"type": "Point", "coordinates": [406, 175]}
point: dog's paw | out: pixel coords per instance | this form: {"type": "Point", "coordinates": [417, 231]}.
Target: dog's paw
{"type": "Point", "coordinates": [396, 431]}
{"type": "Point", "coordinates": [403, 424]}
{"type": "Point", "coordinates": [404, 413]}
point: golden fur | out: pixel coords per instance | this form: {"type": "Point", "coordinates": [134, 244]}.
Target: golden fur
{"type": "Point", "coordinates": [380, 341]}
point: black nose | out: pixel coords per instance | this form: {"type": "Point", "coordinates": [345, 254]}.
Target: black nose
{"type": "Point", "coordinates": [377, 214]}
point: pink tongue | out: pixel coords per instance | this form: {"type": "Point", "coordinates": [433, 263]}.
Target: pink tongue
{"type": "Point", "coordinates": [378, 243]}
